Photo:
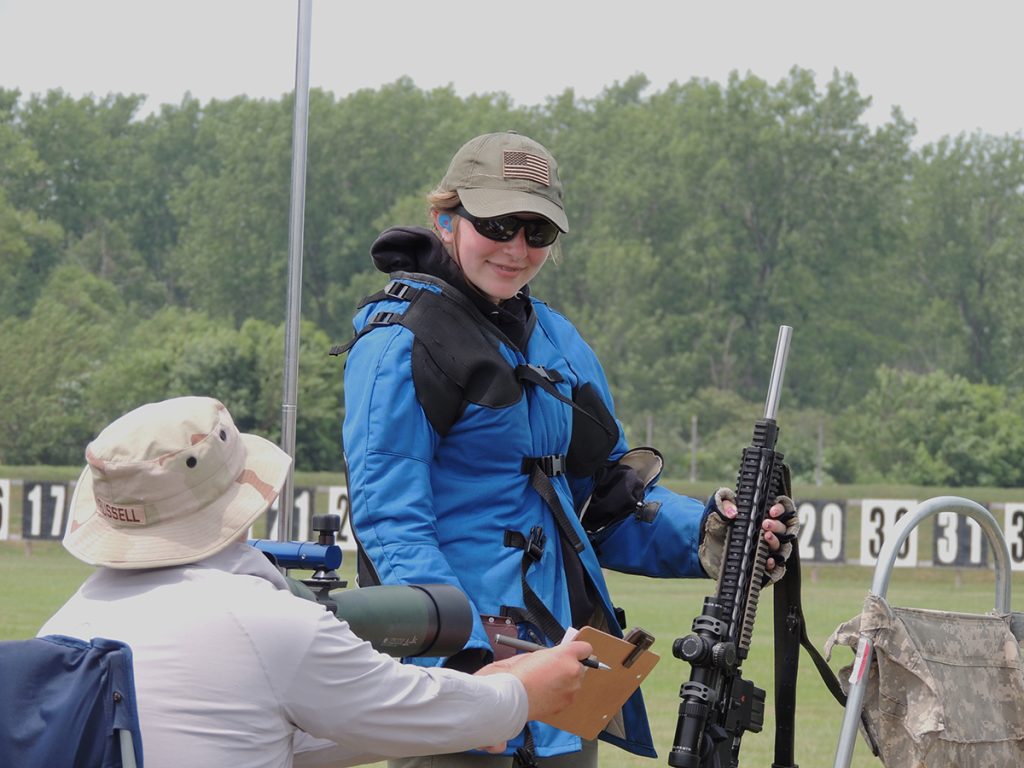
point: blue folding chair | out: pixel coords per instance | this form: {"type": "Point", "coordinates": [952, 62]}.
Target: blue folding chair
{"type": "Point", "coordinates": [67, 703]}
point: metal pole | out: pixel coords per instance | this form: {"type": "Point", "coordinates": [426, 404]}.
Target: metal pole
{"type": "Point", "coordinates": [295, 221]}
{"type": "Point", "coordinates": [819, 459]}
{"type": "Point", "coordinates": [693, 448]}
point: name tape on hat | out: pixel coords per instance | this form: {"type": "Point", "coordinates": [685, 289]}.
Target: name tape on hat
{"type": "Point", "coordinates": [129, 515]}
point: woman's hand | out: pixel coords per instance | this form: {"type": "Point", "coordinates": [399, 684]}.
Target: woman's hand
{"type": "Point", "coordinates": [779, 530]}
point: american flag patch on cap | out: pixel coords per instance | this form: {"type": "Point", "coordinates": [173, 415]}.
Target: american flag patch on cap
{"type": "Point", "coordinates": [516, 164]}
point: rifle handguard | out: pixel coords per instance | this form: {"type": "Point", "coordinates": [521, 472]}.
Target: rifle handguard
{"type": "Point", "coordinates": [712, 542]}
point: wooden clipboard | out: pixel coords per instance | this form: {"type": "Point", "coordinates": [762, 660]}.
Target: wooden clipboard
{"type": "Point", "coordinates": [606, 690]}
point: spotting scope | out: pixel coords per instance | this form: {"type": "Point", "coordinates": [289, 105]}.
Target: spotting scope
{"type": "Point", "coordinates": [399, 620]}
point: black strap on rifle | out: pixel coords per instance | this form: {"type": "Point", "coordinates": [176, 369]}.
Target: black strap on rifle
{"type": "Point", "coordinates": [790, 634]}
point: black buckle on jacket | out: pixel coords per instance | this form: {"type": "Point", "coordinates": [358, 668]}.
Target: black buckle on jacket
{"type": "Point", "coordinates": [397, 290]}
{"type": "Point", "coordinates": [553, 376]}
{"type": "Point", "coordinates": [534, 546]}
{"type": "Point", "coordinates": [552, 465]}
{"type": "Point", "coordinates": [383, 318]}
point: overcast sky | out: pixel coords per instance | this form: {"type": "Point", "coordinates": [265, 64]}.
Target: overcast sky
{"type": "Point", "coordinates": [952, 66]}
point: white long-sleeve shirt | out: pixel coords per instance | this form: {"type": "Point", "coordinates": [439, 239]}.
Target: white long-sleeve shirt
{"type": "Point", "coordinates": [232, 669]}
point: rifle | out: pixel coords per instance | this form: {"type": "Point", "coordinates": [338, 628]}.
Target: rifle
{"type": "Point", "coordinates": [718, 706]}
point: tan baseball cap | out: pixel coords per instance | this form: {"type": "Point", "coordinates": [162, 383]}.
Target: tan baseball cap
{"type": "Point", "coordinates": [500, 173]}
{"type": "Point", "coordinates": [169, 483]}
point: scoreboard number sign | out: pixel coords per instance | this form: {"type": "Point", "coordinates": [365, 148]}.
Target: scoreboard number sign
{"type": "Point", "coordinates": [959, 541]}
{"type": "Point", "coordinates": [302, 511]}
{"type": "Point", "coordinates": [1013, 530]}
{"type": "Point", "coordinates": [878, 519]}
{"type": "Point", "coordinates": [5, 509]}
{"type": "Point", "coordinates": [43, 510]}
{"type": "Point", "coordinates": [822, 528]}
{"type": "Point", "coordinates": [337, 504]}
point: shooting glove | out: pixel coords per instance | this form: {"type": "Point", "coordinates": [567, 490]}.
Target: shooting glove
{"type": "Point", "coordinates": [712, 544]}
{"type": "Point", "coordinates": [712, 539]}
{"type": "Point", "coordinates": [785, 550]}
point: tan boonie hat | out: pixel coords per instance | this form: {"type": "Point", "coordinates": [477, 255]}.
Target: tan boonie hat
{"type": "Point", "coordinates": [500, 173]}
{"type": "Point", "coordinates": [171, 483]}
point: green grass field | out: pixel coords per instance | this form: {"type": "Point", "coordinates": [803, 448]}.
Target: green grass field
{"type": "Point", "coordinates": [37, 579]}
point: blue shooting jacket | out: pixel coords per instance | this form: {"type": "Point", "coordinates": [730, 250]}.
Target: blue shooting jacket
{"type": "Point", "coordinates": [429, 507]}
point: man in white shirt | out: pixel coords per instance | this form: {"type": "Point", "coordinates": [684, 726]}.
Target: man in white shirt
{"type": "Point", "coordinates": [230, 667]}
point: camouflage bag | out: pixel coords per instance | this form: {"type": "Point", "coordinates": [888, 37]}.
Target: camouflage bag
{"type": "Point", "coordinates": [943, 689]}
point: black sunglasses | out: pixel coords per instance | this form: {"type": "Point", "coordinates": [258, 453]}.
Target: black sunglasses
{"type": "Point", "coordinates": [540, 233]}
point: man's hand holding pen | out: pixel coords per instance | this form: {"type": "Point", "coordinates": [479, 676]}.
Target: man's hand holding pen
{"type": "Point", "coordinates": [526, 645]}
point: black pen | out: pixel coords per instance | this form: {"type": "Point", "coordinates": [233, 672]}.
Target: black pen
{"type": "Point", "coordinates": [526, 645]}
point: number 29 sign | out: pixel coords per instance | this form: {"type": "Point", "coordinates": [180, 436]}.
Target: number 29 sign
{"type": "Point", "coordinates": [822, 524]}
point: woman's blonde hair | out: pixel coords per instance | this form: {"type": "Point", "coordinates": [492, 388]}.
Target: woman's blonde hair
{"type": "Point", "coordinates": [442, 200]}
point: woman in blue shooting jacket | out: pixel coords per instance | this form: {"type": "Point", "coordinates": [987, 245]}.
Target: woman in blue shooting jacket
{"type": "Point", "coordinates": [482, 445]}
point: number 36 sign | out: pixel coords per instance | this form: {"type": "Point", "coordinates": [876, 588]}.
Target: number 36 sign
{"type": "Point", "coordinates": [878, 518]}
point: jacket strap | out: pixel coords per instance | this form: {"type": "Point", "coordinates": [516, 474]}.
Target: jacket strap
{"type": "Point", "coordinates": [393, 291]}
{"type": "Point", "coordinates": [546, 380]}
{"type": "Point", "coordinates": [541, 470]}
{"type": "Point", "coordinates": [536, 611]}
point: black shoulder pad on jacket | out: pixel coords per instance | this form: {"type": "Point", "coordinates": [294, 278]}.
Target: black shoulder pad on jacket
{"type": "Point", "coordinates": [455, 361]}
{"type": "Point", "coordinates": [593, 438]}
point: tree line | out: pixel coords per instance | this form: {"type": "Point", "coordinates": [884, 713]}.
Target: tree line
{"type": "Point", "coordinates": [145, 257]}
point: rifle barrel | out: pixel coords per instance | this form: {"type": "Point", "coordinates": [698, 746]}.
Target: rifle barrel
{"type": "Point", "coordinates": [771, 405]}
